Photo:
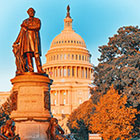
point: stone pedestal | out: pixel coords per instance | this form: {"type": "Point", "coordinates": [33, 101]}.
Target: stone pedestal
{"type": "Point", "coordinates": [31, 105]}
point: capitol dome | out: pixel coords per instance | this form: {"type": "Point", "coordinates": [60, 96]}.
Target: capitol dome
{"type": "Point", "coordinates": [68, 37]}
{"type": "Point", "coordinates": [68, 65]}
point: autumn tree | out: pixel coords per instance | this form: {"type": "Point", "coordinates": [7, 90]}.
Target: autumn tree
{"type": "Point", "coordinates": [5, 110]}
{"type": "Point", "coordinates": [3, 116]}
{"type": "Point", "coordinates": [112, 118]}
{"type": "Point", "coordinates": [79, 119]}
{"type": "Point", "coordinates": [119, 64]}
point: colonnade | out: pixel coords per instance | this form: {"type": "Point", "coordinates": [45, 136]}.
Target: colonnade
{"type": "Point", "coordinates": [69, 71]}
{"type": "Point", "coordinates": [60, 97]}
{"type": "Point", "coordinates": [61, 57]}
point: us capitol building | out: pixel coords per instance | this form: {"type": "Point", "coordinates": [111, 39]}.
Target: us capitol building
{"type": "Point", "coordinates": [68, 64]}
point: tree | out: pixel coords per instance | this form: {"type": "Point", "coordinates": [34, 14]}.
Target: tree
{"type": "Point", "coordinates": [79, 119]}
{"type": "Point", "coordinates": [112, 118]}
{"type": "Point", "coordinates": [6, 109]}
{"type": "Point", "coordinates": [119, 64]}
{"type": "Point", "coordinates": [3, 116]}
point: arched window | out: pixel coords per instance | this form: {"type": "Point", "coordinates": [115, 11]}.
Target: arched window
{"type": "Point", "coordinates": [72, 56]}
{"type": "Point", "coordinates": [64, 101]}
{"type": "Point", "coordinates": [86, 72]}
{"type": "Point", "coordinates": [68, 56]}
{"type": "Point", "coordinates": [65, 72]}
{"type": "Point", "coordinates": [76, 56]}
{"type": "Point", "coordinates": [61, 56]}
{"type": "Point", "coordinates": [82, 72]}
{"type": "Point", "coordinates": [58, 72]}
{"type": "Point", "coordinates": [77, 72]}
{"type": "Point", "coordinates": [64, 56]}
{"type": "Point", "coordinates": [55, 101]}
{"type": "Point", "coordinates": [73, 72]}
{"type": "Point", "coordinates": [61, 72]}
{"type": "Point", "coordinates": [55, 72]}
{"type": "Point", "coordinates": [83, 57]}
{"type": "Point", "coordinates": [79, 57]}
{"type": "Point", "coordinates": [68, 71]}
{"type": "Point", "coordinates": [57, 57]}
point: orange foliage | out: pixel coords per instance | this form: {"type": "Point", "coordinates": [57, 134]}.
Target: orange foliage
{"type": "Point", "coordinates": [112, 119]}
{"type": "Point", "coordinates": [83, 113]}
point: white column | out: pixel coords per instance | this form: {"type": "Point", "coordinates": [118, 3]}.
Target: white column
{"type": "Point", "coordinates": [90, 73]}
{"type": "Point", "coordinates": [70, 71]}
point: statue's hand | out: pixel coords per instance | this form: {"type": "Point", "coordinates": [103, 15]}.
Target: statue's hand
{"type": "Point", "coordinates": [15, 43]}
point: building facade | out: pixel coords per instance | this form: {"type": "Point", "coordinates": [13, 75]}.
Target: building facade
{"type": "Point", "coordinates": [68, 64]}
{"type": "Point", "coordinates": [4, 96]}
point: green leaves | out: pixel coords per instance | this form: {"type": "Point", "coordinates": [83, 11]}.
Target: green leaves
{"type": "Point", "coordinates": [120, 64]}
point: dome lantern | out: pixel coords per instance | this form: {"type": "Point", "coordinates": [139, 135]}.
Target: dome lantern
{"type": "Point", "coordinates": [68, 20]}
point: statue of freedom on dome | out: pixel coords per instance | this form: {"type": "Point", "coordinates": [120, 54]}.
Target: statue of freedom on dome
{"type": "Point", "coordinates": [27, 45]}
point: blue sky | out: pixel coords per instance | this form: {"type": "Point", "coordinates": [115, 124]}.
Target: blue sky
{"type": "Point", "coordinates": [94, 20]}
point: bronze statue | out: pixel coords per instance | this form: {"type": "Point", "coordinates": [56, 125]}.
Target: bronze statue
{"type": "Point", "coordinates": [55, 132]}
{"type": "Point", "coordinates": [27, 45]}
{"type": "Point", "coordinates": [8, 131]}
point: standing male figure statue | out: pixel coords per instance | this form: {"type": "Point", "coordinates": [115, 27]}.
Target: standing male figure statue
{"type": "Point", "coordinates": [28, 45]}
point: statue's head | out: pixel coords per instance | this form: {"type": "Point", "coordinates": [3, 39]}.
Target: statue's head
{"type": "Point", "coordinates": [31, 12]}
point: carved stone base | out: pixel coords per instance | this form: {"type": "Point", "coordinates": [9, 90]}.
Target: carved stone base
{"type": "Point", "coordinates": [32, 130]}
{"type": "Point", "coordinates": [31, 108]}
